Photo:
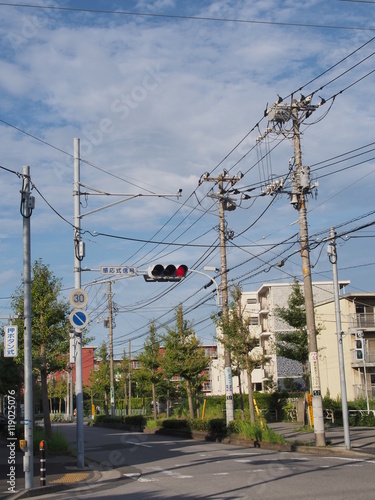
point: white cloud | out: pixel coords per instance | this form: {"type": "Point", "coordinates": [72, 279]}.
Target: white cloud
{"type": "Point", "coordinates": [158, 101]}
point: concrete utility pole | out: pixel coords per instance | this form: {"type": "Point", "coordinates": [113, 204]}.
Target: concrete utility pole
{"type": "Point", "coordinates": [302, 190]}
{"type": "Point", "coordinates": [78, 256]}
{"type": "Point", "coordinates": [229, 404]}
{"type": "Point", "coordinates": [332, 254]}
{"type": "Point", "coordinates": [130, 379]}
{"type": "Point", "coordinates": [224, 204]}
{"type": "Point", "coordinates": [111, 372]}
{"type": "Point", "coordinates": [27, 205]}
{"type": "Point", "coordinates": [279, 114]}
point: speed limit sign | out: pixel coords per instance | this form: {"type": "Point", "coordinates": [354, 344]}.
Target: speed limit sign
{"type": "Point", "coordinates": [78, 298]}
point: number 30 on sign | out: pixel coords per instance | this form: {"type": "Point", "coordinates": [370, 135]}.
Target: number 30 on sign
{"type": "Point", "coordinates": [78, 298]}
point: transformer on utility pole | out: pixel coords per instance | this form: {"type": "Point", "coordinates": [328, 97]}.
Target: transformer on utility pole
{"type": "Point", "coordinates": [279, 115]}
{"type": "Point", "coordinates": [225, 203]}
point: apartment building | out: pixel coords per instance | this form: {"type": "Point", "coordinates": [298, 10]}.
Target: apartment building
{"type": "Point", "coordinates": [358, 341]}
{"type": "Point", "coordinates": [260, 305]}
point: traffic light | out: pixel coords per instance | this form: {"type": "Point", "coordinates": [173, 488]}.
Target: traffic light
{"type": "Point", "coordinates": [171, 272]}
{"type": "Point", "coordinates": [360, 349]}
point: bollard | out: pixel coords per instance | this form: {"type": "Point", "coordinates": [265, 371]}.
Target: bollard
{"type": "Point", "coordinates": [42, 449]}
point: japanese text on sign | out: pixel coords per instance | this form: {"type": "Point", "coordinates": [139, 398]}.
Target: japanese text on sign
{"type": "Point", "coordinates": [10, 341]}
{"type": "Point", "coordinates": [123, 270]}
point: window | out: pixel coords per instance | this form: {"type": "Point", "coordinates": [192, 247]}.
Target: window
{"type": "Point", "coordinates": [252, 301]}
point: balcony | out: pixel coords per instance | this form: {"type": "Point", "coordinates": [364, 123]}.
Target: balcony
{"type": "Point", "coordinates": [369, 360]}
{"type": "Point", "coordinates": [362, 321]}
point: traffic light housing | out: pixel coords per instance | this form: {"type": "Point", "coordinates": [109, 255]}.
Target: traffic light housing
{"type": "Point", "coordinates": [360, 348]}
{"type": "Point", "coordinates": [170, 272]}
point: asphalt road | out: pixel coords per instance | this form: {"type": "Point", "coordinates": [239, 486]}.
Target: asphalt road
{"type": "Point", "coordinates": [145, 466]}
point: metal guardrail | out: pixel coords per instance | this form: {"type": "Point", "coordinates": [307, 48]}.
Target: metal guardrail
{"type": "Point", "coordinates": [362, 412]}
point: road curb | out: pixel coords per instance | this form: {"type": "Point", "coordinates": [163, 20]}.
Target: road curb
{"type": "Point", "coordinates": [59, 486]}
{"type": "Point", "coordinates": [281, 447]}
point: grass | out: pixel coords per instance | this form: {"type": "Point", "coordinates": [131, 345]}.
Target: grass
{"type": "Point", "coordinates": [57, 442]}
{"type": "Point", "coordinates": [306, 428]}
{"type": "Point", "coordinates": [256, 431]}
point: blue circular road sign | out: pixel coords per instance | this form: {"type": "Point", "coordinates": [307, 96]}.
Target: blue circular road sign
{"type": "Point", "coordinates": [79, 318]}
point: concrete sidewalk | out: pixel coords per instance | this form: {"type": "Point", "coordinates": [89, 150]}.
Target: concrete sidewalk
{"type": "Point", "coordinates": [62, 472]}
{"type": "Point", "coordinates": [362, 439]}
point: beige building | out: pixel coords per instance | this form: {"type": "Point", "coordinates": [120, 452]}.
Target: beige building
{"type": "Point", "coordinates": [264, 323]}
{"type": "Point", "coordinates": [358, 326]}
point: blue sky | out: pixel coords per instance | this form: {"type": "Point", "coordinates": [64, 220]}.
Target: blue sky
{"type": "Point", "coordinates": [159, 99]}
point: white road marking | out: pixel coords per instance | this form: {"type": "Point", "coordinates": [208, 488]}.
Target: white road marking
{"type": "Point", "coordinates": [139, 444]}
{"type": "Point", "coordinates": [348, 459]}
{"type": "Point", "coordinates": [171, 473]}
{"type": "Point", "coordinates": [239, 454]}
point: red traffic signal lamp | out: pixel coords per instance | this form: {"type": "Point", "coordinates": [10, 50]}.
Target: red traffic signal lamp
{"type": "Point", "coordinates": [171, 272]}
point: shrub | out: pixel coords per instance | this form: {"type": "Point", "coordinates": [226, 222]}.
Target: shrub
{"type": "Point", "coordinates": [134, 421]}
{"type": "Point", "coordinates": [255, 431]}
{"type": "Point", "coordinates": [197, 424]}
{"type": "Point", "coordinates": [180, 423]}
{"type": "Point", "coordinates": [218, 427]}
{"type": "Point", "coordinates": [362, 419]}
{"type": "Point", "coordinates": [106, 419]}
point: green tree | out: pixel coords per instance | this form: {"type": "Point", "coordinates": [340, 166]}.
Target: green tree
{"type": "Point", "coordinates": [100, 379]}
{"type": "Point", "coordinates": [150, 360]}
{"type": "Point", "coordinates": [49, 325]}
{"type": "Point", "coordinates": [142, 381]}
{"type": "Point", "coordinates": [123, 384]}
{"type": "Point", "coordinates": [11, 377]}
{"type": "Point", "coordinates": [294, 344]}
{"type": "Point", "coordinates": [243, 344]}
{"type": "Point", "coordinates": [60, 390]}
{"type": "Point", "coordinates": [184, 355]}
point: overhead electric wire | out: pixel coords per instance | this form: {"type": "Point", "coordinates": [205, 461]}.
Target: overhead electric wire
{"type": "Point", "coordinates": [329, 69]}
{"type": "Point", "coordinates": [225, 157]}
{"type": "Point", "coordinates": [346, 168]}
{"type": "Point", "coordinates": [341, 155]}
{"type": "Point", "coordinates": [11, 171]}
{"type": "Point", "coordinates": [186, 17]}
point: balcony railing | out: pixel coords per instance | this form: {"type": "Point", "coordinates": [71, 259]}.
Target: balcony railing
{"type": "Point", "coordinates": [369, 360]}
{"type": "Point", "coordinates": [362, 320]}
